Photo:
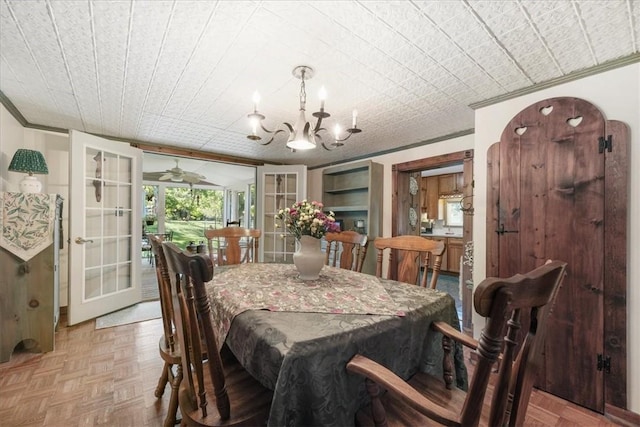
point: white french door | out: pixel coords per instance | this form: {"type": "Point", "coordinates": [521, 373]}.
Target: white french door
{"type": "Point", "coordinates": [278, 187]}
{"type": "Point", "coordinates": [105, 226]}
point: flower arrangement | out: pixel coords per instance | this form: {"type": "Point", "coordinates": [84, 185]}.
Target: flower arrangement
{"type": "Point", "coordinates": [307, 219]}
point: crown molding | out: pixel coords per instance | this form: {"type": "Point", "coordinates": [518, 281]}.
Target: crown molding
{"type": "Point", "coordinates": [403, 148]}
{"type": "Point", "coordinates": [601, 68]}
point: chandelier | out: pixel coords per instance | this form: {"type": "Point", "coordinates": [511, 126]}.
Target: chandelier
{"type": "Point", "coordinates": [302, 135]}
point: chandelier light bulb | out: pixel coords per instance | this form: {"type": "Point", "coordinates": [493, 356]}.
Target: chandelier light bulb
{"type": "Point", "coordinates": [322, 94]}
{"type": "Point", "coordinates": [256, 100]}
{"type": "Point", "coordinates": [355, 118]}
{"type": "Point", "coordinates": [336, 131]}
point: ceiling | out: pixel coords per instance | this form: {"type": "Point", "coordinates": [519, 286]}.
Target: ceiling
{"type": "Point", "coordinates": [182, 73]}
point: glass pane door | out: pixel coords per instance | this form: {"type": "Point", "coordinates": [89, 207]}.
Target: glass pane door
{"type": "Point", "coordinates": [278, 187]}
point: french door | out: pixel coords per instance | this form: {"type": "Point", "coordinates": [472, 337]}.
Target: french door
{"type": "Point", "coordinates": [105, 226]}
{"type": "Point", "coordinates": [278, 187]}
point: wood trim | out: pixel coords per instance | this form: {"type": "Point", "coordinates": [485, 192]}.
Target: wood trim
{"type": "Point", "coordinates": [195, 154]}
{"type": "Point", "coordinates": [467, 238]}
{"type": "Point", "coordinates": [434, 162]}
{"type": "Point", "coordinates": [616, 189]}
{"type": "Point", "coordinates": [493, 214]}
{"type": "Point", "coordinates": [621, 416]}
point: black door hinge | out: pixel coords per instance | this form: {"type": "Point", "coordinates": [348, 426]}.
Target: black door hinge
{"type": "Point", "coordinates": [604, 363]}
{"type": "Point", "coordinates": [605, 144]}
{"type": "Point", "coordinates": [501, 230]}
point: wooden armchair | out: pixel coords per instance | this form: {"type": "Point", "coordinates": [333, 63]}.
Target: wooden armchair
{"type": "Point", "coordinates": [414, 254]}
{"type": "Point", "coordinates": [354, 250]}
{"type": "Point", "coordinates": [426, 400]}
{"type": "Point", "coordinates": [168, 346]}
{"type": "Point", "coordinates": [217, 390]}
{"type": "Point", "coordinates": [230, 242]}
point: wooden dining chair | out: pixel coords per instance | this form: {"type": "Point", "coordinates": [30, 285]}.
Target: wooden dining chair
{"type": "Point", "coordinates": [217, 390]}
{"type": "Point", "coordinates": [168, 346]}
{"type": "Point", "coordinates": [165, 237]}
{"type": "Point", "coordinates": [346, 249]}
{"type": "Point", "coordinates": [413, 255]}
{"type": "Point", "coordinates": [233, 245]}
{"type": "Point", "coordinates": [425, 399]}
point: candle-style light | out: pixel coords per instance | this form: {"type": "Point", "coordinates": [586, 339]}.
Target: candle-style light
{"type": "Point", "coordinates": [302, 136]}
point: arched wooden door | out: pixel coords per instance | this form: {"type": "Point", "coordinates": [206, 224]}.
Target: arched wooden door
{"type": "Point", "coordinates": [554, 192]}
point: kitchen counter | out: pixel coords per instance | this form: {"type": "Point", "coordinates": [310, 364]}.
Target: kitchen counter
{"type": "Point", "coordinates": [442, 234]}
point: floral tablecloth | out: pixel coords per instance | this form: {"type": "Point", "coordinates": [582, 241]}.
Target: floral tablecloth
{"type": "Point", "coordinates": [276, 287]}
{"type": "Point", "coordinates": [302, 354]}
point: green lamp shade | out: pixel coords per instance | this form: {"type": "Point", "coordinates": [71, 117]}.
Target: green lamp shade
{"type": "Point", "coordinates": [30, 161]}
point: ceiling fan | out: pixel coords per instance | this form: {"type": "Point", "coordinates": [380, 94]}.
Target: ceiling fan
{"type": "Point", "coordinates": [176, 174]}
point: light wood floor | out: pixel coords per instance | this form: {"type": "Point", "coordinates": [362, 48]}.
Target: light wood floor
{"type": "Point", "coordinates": [107, 377]}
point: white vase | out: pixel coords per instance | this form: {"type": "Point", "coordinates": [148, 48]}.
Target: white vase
{"type": "Point", "coordinates": [308, 258]}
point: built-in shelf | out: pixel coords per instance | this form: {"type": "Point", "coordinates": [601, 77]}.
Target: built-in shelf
{"type": "Point", "coordinates": [347, 192]}
{"type": "Point", "coordinates": [346, 208]}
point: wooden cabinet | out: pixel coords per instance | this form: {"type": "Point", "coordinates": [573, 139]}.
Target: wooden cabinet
{"type": "Point", "coordinates": [450, 183]}
{"type": "Point", "coordinates": [429, 197]}
{"type": "Point", "coordinates": [354, 193]}
{"type": "Point", "coordinates": [29, 297]}
{"type": "Point", "coordinates": [432, 187]}
{"type": "Point", "coordinates": [454, 252]}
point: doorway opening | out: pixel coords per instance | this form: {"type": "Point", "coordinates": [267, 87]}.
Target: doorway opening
{"type": "Point", "coordinates": [457, 196]}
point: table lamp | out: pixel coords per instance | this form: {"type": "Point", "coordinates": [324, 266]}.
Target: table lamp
{"type": "Point", "coordinates": [32, 162]}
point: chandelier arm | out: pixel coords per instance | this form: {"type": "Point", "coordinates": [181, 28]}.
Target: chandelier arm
{"type": "Point", "coordinates": [345, 138]}
{"type": "Point", "coordinates": [331, 147]}
{"type": "Point", "coordinates": [272, 137]}
{"type": "Point", "coordinates": [267, 130]}
{"type": "Point", "coordinates": [318, 125]}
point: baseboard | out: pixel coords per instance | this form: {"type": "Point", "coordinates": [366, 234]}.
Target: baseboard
{"type": "Point", "coordinates": [621, 416]}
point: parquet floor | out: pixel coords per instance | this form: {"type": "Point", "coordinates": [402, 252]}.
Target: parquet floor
{"type": "Point", "coordinates": [107, 377]}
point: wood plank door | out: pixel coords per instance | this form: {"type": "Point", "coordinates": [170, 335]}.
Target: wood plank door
{"type": "Point", "coordinates": [548, 177]}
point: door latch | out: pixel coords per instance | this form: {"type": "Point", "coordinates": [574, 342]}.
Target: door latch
{"type": "Point", "coordinates": [501, 230]}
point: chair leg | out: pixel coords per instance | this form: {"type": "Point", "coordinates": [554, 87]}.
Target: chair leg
{"type": "Point", "coordinates": [173, 401]}
{"type": "Point", "coordinates": [162, 382]}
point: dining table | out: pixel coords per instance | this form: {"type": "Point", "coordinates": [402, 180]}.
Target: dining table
{"type": "Point", "coordinates": [296, 337]}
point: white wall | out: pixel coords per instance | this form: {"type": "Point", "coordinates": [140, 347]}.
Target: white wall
{"type": "Point", "coordinates": [617, 94]}
{"type": "Point", "coordinates": [11, 138]}
{"type": "Point", "coordinates": [55, 148]}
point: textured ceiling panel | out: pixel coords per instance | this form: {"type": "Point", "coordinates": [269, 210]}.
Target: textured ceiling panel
{"type": "Point", "coordinates": [182, 73]}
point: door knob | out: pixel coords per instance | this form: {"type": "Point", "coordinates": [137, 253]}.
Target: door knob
{"type": "Point", "coordinates": [80, 240]}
